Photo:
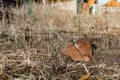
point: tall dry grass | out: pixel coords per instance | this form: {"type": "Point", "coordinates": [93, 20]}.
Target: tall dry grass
{"type": "Point", "coordinates": [31, 44]}
{"type": "Point", "coordinates": [45, 18]}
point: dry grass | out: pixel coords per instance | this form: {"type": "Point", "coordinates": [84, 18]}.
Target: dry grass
{"type": "Point", "coordinates": [30, 45]}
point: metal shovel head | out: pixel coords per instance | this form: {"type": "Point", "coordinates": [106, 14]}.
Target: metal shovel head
{"type": "Point", "coordinates": [81, 52]}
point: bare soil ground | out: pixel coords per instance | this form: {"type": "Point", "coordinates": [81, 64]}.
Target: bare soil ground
{"type": "Point", "coordinates": [46, 61]}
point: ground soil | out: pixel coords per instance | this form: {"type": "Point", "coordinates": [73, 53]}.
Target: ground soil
{"type": "Point", "coordinates": [46, 61]}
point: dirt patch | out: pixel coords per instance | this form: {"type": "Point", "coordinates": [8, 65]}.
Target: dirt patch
{"type": "Point", "coordinates": [46, 61]}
